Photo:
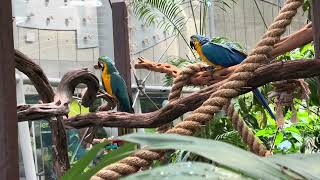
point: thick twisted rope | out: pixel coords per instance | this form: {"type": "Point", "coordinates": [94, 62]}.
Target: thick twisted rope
{"type": "Point", "coordinates": [217, 100]}
{"type": "Point", "coordinates": [244, 131]}
{"type": "Point", "coordinates": [183, 79]}
{"type": "Point", "coordinates": [179, 82]}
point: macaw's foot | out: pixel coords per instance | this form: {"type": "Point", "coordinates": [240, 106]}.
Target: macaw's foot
{"type": "Point", "coordinates": [210, 69]}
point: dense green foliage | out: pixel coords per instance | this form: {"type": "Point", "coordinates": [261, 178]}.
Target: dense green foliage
{"type": "Point", "coordinates": [94, 160]}
{"type": "Point", "coordinates": [224, 156]}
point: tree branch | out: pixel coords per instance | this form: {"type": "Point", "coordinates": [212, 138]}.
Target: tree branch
{"type": "Point", "coordinates": [36, 75]}
{"type": "Point", "coordinates": [43, 87]}
{"type": "Point", "coordinates": [72, 79]}
{"type": "Point", "coordinates": [201, 78]}
{"type": "Point", "coordinates": [269, 73]}
{"type": "Point", "coordinates": [40, 111]}
{"type": "Point", "coordinates": [63, 97]}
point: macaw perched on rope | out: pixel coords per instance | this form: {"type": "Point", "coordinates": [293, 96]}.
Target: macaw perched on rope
{"type": "Point", "coordinates": [114, 84]}
{"type": "Point", "coordinates": [221, 56]}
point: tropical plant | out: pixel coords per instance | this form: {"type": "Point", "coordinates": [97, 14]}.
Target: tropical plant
{"type": "Point", "coordinates": [307, 7]}
{"type": "Point", "coordinates": [224, 158]}
{"type": "Point", "coordinates": [82, 170]}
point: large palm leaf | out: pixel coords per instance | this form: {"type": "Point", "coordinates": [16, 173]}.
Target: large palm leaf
{"type": "Point", "coordinates": [165, 14]}
{"type": "Point", "coordinates": [168, 14]}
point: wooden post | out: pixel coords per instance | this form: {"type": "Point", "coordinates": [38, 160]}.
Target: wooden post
{"type": "Point", "coordinates": [9, 168]}
{"type": "Point", "coordinates": [316, 35]}
{"type": "Point", "coordinates": [121, 44]}
{"type": "Point", "coordinates": [316, 26]}
{"type": "Point", "coordinates": [121, 40]}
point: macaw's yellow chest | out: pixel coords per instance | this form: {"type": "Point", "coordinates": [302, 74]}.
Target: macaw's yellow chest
{"type": "Point", "coordinates": [202, 56]}
{"type": "Point", "coordinates": [106, 80]}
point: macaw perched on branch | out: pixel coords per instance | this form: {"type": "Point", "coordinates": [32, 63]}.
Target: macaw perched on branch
{"type": "Point", "coordinates": [220, 56]}
{"type": "Point", "coordinates": [114, 84]}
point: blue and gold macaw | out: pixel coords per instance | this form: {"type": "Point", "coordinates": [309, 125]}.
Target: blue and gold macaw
{"type": "Point", "coordinates": [220, 56]}
{"type": "Point", "coordinates": [114, 84]}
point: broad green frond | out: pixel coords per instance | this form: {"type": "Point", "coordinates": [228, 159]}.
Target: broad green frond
{"type": "Point", "coordinates": [165, 14]}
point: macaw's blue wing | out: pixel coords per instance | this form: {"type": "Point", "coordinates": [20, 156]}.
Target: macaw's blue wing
{"type": "Point", "coordinates": [222, 55]}
{"type": "Point", "coordinates": [231, 44]}
{"type": "Point", "coordinates": [119, 89]}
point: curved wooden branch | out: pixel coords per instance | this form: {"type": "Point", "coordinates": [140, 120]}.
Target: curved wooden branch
{"type": "Point", "coordinates": [63, 97]}
{"type": "Point", "coordinates": [36, 75]}
{"type": "Point", "coordinates": [107, 97]}
{"type": "Point", "coordinates": [43, 87]}
{"type": "Point", "coordinates": [72, 79]}
{"type": "Point", "coordinates": [201, 78]}
{"type": "Point", "coordinates": [40, 111]}
{"type": "Point", "coordinates": [169, 69]}
{"type": "Point", "coordinates": [269, 73]}
{"type": "Point", "coordinates": [111, 101]}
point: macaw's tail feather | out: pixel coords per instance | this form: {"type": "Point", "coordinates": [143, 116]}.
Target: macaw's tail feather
{"type": "Point", "coordinates": [125, 104]}
{"type": "Point", "coordinates": [264, 102]}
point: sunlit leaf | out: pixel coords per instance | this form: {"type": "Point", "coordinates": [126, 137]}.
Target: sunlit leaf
{"type": "Point", "coordinates": [279, 138]}
{"type": "Point", "coordinates": [76, 109]}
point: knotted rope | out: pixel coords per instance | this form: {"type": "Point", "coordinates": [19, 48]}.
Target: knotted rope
{"type": "Point", "coordinates": [217, 100]}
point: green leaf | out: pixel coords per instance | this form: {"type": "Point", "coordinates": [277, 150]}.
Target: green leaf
{"type": "Point", "coordinates": [266, 132]}
{"type": "Point", "coordinates": [110, 158]}
{"type": "Point", "coordinates": [224, 154]}
{"type": "Point", "coordinates": [307, 165]}
{"type": "Point", "coordinates": [76, 109]}
{"type": "Point", "coordinates": [185, 171]}
{"type": "Point", "coordinates": [80, 165]}
{"type": "Point", "coordinates": [292, 129]}
{"type": "Point", "coordinates": [297, 136]}
{"type": "Point", "coordinates": [279, 138]}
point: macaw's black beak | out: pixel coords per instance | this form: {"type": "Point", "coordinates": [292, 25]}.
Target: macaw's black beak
{"type": "Point", "coordinates": [192, 44]}
{"type": "Point", "coordinates": [98, 65]}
